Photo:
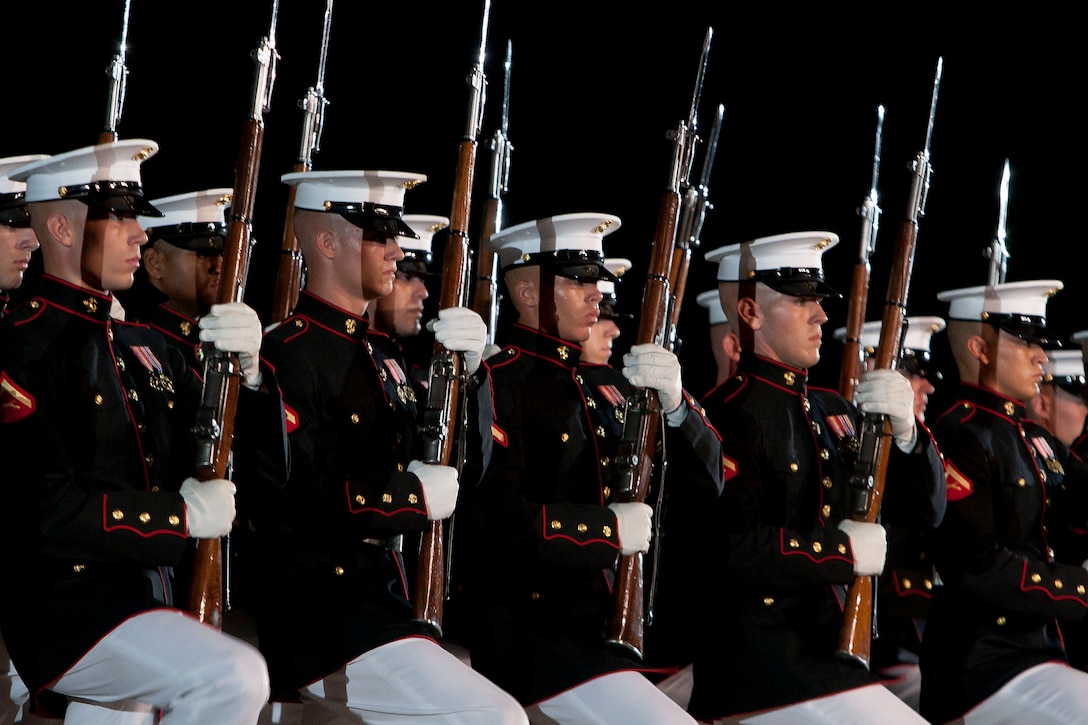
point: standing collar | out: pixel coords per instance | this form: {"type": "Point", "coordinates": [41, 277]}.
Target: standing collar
{"type": "Point", "coordinates": [544, 345]}
{"type": "Point", "coordinates": [775, 373]}
{"type": "Point", "coordinates": [992, 400]}
{"type": "Point", "coordinates": [77, 300]}
{"type": "Point", "coordinates": [329, 315]}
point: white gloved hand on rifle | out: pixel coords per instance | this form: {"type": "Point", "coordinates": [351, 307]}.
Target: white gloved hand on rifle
{"type": "Point", "coordinates": [632, 526]}
{"type": "Point", "coordinates": [209, 507]}
{"type": "Point", "coordinates": [889, 392]}
{"type": "Point", "coordinates": [235, 327]}
{"type": "Point", "coordinates": [869, 544]}
{"type": "Point", "coordinates": [651, 366]}
{"type": "Point", "coordinates": [459, 329]}
{"type": "Point", "coordinates": [439, 488]}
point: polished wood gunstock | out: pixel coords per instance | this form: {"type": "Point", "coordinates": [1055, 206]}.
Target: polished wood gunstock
{"type": "Point", "coordinates": [445, 407]}
{"type": "Point", "coordinates": [222, 374]}
{"type": "Point", "coordinates": [855, 633]}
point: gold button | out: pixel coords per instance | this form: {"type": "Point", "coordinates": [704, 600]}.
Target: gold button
{"type": "Point", "coordinates": [1001, 621]}
{"type": "Point", "coordinates": [582, 528]}
{"type": "Point", "coordinates": [927, 584]}
{"type": "Point", "coordinates": [360, 499]}
{"type": "Point", "coordinates": [794, 543]}
{"type": "Point", "coordinates": [400, 438]}
{"type": "Point", "coordinates": [142, 427]}
{"type": "Point", "coordinates": [906, 583]}
{"type": "Point", "coordinates": [354, 418]}
{"type": "Point", "coordinates": [789, 377]}
{"type": "Point", "coordinates": [154, 489]}
{"type": "Point", "coordinates": [590, 402]}
{"type": "Point", "coordinates": [98, 400]}
{"type": "Point", "coordinates": [170, 405]}
{"type": "Point", "coordinates": [564, 437]}
{"type": "Point", "coordinates": [149, 459]}
{"type": "Point", "coordinates": [338, 570]}
{"type": "Point", "coordinates": [794, 467]}
{"type": "Point", "coordinates": [817, 547]}
{"type": "Point", "coordinates": [579, 378]}
{"type": "Point", "coordinates": [400, 467]}
{"type": "Point", "coordinates": [825, 454]}
{"type": "Point", "coordinates": [556, 525]}
{"type": "Point", "coordinates": [534, 596]}
{"type": "Point", "coordinates": [387, 498]}
{"type": "Point", "coordinates": [842, 548]}
{"type": "Point", "coordinates": [1021, 482]}
{"type": "Point", "coordinates": [604, 462]}
{"type": "Point", "coordinates": [118, 514]}
{"type": "Point", "coordinates": [607, 531]}
{"type": "Point", "coordinates": [600, 431]}
{"type": "Point", "coordinates": [413, 499]}
{"type": "Point", "coordinates": [1058, 584]}
{"type": "Point", "coordinates": [827, 482]}
{"type": "Point", "coordinates": [383, 374]}
{"type": "Point", "coordinates": [174, 520]}
{"type": "Point", "coordinates": [134, 396]}
{"type": "Point", "coordinates": [145, 517]}
{"type": "Point", "coordinates": [768, 601]}
{"type": "Point", "coordinates": [827, 510]}
{"type": "Point", "coordinates": [78, 568]}
{"type": "Point", "coordinates": [815, 427]}
{"type": "Point", "coordinates": [807, 405]}
{"type": "Point", "coordinates": [1080, 589]}
{"type": "Point", "coordinates": [1036, 578]}
{"type": "Point", "coordinates": [607, 491]}
{"type": "Point", "coordinates": [392, 405]}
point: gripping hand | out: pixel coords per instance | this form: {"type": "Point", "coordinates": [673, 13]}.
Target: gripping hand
{"type": "Point", "coordinates": [632, 526]}
{"type": "Point", "coordinates": [209, 507]}
{"type": "Point", "coordinates": [869, 542]}
{"type": "Point", "coordinates": [459, 329]}
{"type": "Point", "coordinates": [439, 488]}
{"type": "Point", "coordinates": [889, 392]}
{"type": "Point", "coordinates": [651, 366]}
{"type": "Point", "coordinates": [235, 327]}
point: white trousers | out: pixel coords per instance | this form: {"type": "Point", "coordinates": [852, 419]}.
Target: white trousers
{"type": "Point", "coordinates": [621, 697]}
{"type": "Point", "coordinates": [1052, 693]}
{"type": "Point", "coordinates": [410, 680]}
{"type": "Point", "coordinates": [859, 706]}
{"type": "Point", "coordinates": [166, 664]}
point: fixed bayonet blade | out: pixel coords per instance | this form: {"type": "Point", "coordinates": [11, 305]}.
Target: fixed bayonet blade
{"type": "Point", "coordinates": [505, 123]}
{"type": "Point", "coordinates": [933, 103]}
{"type": "Point", "coordinates": [999, 250]}
{"type": "Point", "coordinates": [876, 151]}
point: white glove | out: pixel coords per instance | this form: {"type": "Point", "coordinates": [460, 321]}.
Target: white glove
{"type": "Point", "coordinates": [869, 542]}
{"type": "Point", "coordinates": [651, 366]}
{"type": "Point", "coordinates": [209, 507]}
{"type": "Point", "coordinates": [459, 329]}
{"type": "Point", "coordinates": [439, 488]}
{"type": "Point", "coordinates": [632, 526]}
{"type": "Point", "coordinates": [889, 392]}
{"type": "Point", "coordinates": [235, 327]}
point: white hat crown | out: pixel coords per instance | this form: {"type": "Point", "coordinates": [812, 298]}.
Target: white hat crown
{"type": "Point", "coordinates": [53, 177]}
{"type": "Point", "coordinates": [712, 302]}
{"type": "Point", "coordinates": [208, 206]}
{"type": "Point", "coordinates": [426, 226]}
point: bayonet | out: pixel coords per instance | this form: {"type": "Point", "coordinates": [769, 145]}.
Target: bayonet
{"type": "Point", "coordinates": [870, 208]}
{"type": "Point", "coordinates": [477, 82]}
{"type": "Point", "coordinates": [314, 102]}
{"type": "Point", "coordinates": [998, 251]}
{"type": "Point", "coordinates": [118, 75]}
{"type": "Point", "coordinates": [500, 142]}
{"type": "Point", "coordinates": [921, 166]}
{"type": "Point", "coordinates": [684, 135]}
{"type": "Point", "coordinates": [267, 58]}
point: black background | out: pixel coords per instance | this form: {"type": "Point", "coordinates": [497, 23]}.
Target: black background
{"type": "Point", "coordinates": [595, 86]}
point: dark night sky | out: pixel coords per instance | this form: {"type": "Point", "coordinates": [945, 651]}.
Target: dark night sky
{"type": "Point", "coordinates": [595, 86]}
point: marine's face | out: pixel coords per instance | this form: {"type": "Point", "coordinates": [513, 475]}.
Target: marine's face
{"type": "Point", "coordinates": [1017, 367]}
{"type": "Point", "coordinates": [790, 329]}
{"type": "Point", "coordinates": [401, 312]}
{"type": "Point", "coordinates": [110, 254]}
{"type": "Point", "coordinates": [16, 246]}
{"type": "Point", "coordinates": [190, 279]}
{"type": "Point", "coordinates": [598, 348]}
{"type": "Point", "coordinates": [576, 307]}
{"type": "Point", "coordinates": [376, 269]}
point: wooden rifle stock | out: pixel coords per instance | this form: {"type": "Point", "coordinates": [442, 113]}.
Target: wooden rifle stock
{"type": "Point", "coordinates": [222, 373]}
{"type": "Point", "coordinates": [445, 404]}
{"type": "Point", "coordinates": [642, 415]}
{"type": "Point", "coordinates": [855, 633]}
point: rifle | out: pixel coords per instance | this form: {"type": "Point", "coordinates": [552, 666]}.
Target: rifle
{"type": "Point", "coordinates": [118, 75]}
{"type": "Point", "coordinates": [485, 301]}
{"type": "Point", "coordinates": [634, 457]}
{"type": "Point", "coordinates": [867, 483]}
{"type": "Point", "coordinates": [289, 273]}
{"type": "Point", "coordinates": [696, 204]}
{"type": "Point", "coordinates": [852, 354]}
{"type": "Point", "coordinates": [214, 427]}
{"type": "Point", "coordinates": [444, 397]}
{"type": "Point", "coordinates": [998, 252]}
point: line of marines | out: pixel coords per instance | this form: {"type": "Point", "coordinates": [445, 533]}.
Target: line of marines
{"type": "Point", "coordinates": [749, 545]}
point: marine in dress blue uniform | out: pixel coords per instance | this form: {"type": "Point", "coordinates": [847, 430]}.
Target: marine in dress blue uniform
{"type": "Point", "coordinates": [334, 608]}
{"type": "Point", "coordinates": [992, 647]}
{"type": "Point", "coordinates": [784, 552]}
{"type": "Point", "coordinates": [540, 539]}
{"type": "Point", "coordinates": [193, 222]}
{"type": "Point", "coordinates": [97, 431]}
